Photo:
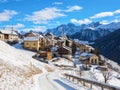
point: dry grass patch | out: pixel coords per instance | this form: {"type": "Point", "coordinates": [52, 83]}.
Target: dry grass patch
{"type": "Point", "coordinates": [49, 69]}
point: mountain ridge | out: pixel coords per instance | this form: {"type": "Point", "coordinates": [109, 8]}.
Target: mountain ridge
{"type": "Point", "coordinates": [109, 45]}
{"type": "Point", "coordinates": [87, 32]}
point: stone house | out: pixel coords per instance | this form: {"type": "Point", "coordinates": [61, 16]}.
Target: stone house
{"type": "Point", "coordinates": [8, 35]}
{"type": "Point", "coordinates": [31, 41]}
{"type": "Point", "coordinates": [88, 58]}
{"type": "Point", "coordinates": [84, 48]}
{"type": "Point", "coordinates": [65, 52]}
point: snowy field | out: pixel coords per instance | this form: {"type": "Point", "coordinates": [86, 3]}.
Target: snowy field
{"type": "Point", "coordinates": [64, 62]}
{"type": "Point", "coordinates": [15, 72]}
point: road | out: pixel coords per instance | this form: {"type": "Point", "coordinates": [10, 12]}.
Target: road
{"type": "Point", "coordinates": [46, 83]}
{"type": "Point", "coordinates": [53, 81]}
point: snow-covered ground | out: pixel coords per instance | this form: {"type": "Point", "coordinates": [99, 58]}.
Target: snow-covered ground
{"type": "Point", "coordinates": [113, 80]}
{"type": "Point", "coordinates": [63, 61]}
{"type": "Point", "coordinates": [15, 72]}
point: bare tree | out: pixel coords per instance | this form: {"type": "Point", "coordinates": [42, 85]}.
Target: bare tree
{"type": "Point", "coordinates": [106, 75]}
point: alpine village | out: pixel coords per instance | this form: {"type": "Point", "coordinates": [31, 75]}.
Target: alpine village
{"type": "Point", "coordinates": [73, 59]}
{"type": "Point", "coordinates": [59, 44]}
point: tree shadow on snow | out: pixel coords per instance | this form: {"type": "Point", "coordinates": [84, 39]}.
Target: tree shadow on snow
{"type": "Point", "coordinates": [67, 87]}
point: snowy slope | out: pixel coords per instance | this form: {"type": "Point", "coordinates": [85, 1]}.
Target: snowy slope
{"type": "Point", "coordinates": [15, 72]}
{"type": "Point", "coordinates": [15, 69]}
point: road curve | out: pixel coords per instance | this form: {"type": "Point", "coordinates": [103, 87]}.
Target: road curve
{"type": "Point", "coordinates": [45, 83]}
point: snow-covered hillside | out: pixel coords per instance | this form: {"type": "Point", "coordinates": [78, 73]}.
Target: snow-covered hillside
{"type": "Point", "coordinates": [15, 72]}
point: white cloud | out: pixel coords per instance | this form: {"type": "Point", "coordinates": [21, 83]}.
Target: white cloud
{"type": "Point", "coordinates": [6, 15]}
{"type": "Point", "coordinates": [106, 14]}
{"type": "Point", "coordinates": [73, 8]}
{"type": "Point", "coordinates": [102, 14]}
{"type": "Point", "coordinates": [107, 22]}
{"type": "Point", "coordinates": [117, 11]}
{"type": "Point", "coordinates": [36, 28]}
{"type": "Point", "coordinates": [43, 16]}
{"type": "Point", "coordinates": [17, 26]}
{"type": "Point", "coordinates": [79, 22]}
{"type": "Point", "coordinates": [57, 3]}
{"type": "Point", "coordinates": [115, 20]}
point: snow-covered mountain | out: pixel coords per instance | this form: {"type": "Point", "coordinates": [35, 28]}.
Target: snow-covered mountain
{"type": "Point", "coordinates": [69, 29]}
{"type": "Point", "coordinates": [111, 27]}
{"type": "Point", "coordinates": [88, 32]}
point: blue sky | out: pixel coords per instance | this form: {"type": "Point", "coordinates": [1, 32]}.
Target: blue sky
{"type": "Point", "coordinates": [42, 14]}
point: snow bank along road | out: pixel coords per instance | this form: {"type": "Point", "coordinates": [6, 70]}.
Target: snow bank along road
{"type": "Point", "coordinates": [53, 81]}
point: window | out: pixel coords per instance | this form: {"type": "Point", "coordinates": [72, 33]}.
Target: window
{"type": "Point", "coordinates": [92, 61]}
{"type": "Point", "coordinates": [34, 44]}
{"type": "Point", "coordinates": [27, 43]}
{"type": "Point", "coordinates": [95, 61]}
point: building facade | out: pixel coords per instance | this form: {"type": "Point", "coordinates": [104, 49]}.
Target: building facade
{"type": "Point", "coordinates": [8, 35]}
{"type": "Point", "coordinates": [88, 58]}
{"type": "Point", "coordinates": [31, 42]}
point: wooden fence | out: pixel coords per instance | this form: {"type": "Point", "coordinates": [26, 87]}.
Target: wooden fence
{"type": "Point", "coordinates": [91, 83]}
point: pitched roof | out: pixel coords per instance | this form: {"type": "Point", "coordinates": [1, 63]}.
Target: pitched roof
{"type": "Point", "coordinates": [31, 39]}
{"type": "Point", "coordinates": [65, 47]}
{"type": "Point", "coordinates": [8, 32]}
{"type": "Point", "coordinates": [31, 34]}
{"type": "Point", "coordinates": [48, 34]}
{"type": "Point", "coordinates": [85, 54]}
{"type": "Point", "coordinates": [41, 36]}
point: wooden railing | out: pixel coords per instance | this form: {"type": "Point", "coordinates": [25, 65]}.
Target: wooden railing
{"type": "Point", "coordinates": [91, 83]}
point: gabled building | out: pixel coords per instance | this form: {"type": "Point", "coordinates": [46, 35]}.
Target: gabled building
{"type": "Point", "coordinates": [65, 52]}
{"type": "Point", "coordinates": [31, 41]}
{"type": "Point", "coordinates": [84, 48]}
{"type": "Point", "coordinates": [88, 58]}
{"type": "Point", "coordinates": [50, 39]}
{"type": "Point", "coordinates": [8, 35]}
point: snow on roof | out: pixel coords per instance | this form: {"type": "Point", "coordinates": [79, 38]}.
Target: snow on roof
{"type": "Point", "coordinates": [89, 46]}
{"type": "Point", "coordinates": [8, 32]}
{"type": "Point", "coordinates": [68, 48]}
{"type": "Point", "coordinates": [85, 54]}
{"type": "Point", "coordinates": [85, 58]}
{"type": "Point", "coordinates": [41, 36]}
{"type": "Point", "coordinates": [54, 49]}
{"type": "Point", "coordinates": [30, 34]}
{"type": "Point", "coordinates": [31, 39]}
{"type": "Point", "coordinates": [65, 47]}
{"type": "Point", "coordinates": [49, 34]}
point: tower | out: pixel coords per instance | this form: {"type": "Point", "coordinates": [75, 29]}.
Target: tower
{"type": "Point", "coordinates": [62, 31]}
